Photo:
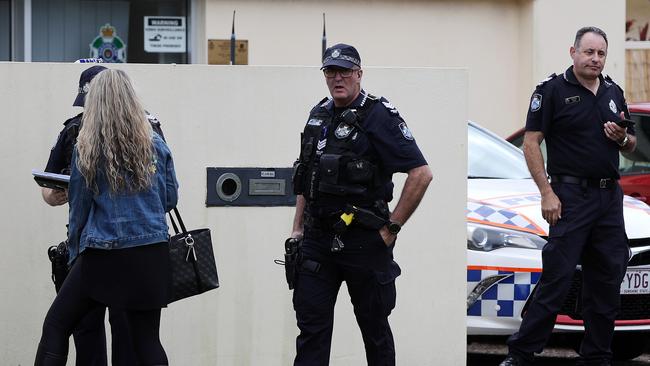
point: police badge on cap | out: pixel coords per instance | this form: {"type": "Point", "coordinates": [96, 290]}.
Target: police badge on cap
{"type": "Point", "coordinates": [341, 55]}
{"type": "Point", "coordinates": [84, 83]}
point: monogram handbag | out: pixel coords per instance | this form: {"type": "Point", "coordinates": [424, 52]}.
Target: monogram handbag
{"type": "Point", "coordinates": [191, 259]}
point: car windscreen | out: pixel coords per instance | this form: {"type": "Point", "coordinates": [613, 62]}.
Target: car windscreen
{"type": "Point", "coordinates": [492, 157]}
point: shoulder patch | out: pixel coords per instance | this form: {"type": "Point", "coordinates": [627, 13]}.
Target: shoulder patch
{"type": "Point", "coordinates": [536, 102]}
{"type": "Point", "coordinates": [549, 78]}
{"type": "Point", "coordinates": [391, 108]}
{"type": "Point", "coordinates": [406, 132]}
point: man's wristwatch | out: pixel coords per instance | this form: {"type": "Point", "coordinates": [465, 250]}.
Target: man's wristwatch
{"type": "Point", "coordinates": [624, 142]}
{"type": "Point", "coordinates": [394, 227]}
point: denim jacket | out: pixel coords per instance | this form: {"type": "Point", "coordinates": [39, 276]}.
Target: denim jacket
{"type": "Point", "coordinates": [106, 220]}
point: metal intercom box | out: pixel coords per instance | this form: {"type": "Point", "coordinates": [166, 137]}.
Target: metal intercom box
{"type": "Point", "coordinates": [249, 187]}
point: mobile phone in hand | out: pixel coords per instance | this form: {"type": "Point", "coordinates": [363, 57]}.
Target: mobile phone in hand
{"type": "Point", "coordinates": [625, 123]}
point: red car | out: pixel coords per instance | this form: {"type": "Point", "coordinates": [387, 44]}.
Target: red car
{"type": "Point", "coordinates": [634, 167]}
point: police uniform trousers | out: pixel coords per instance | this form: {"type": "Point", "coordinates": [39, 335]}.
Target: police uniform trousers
{"type": "Point", "coordinates": [591, 233]}
{"type": "Point", "coordinates": [366, 265]}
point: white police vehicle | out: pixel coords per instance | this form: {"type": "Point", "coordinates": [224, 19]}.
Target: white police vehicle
{"type": "Point", "coordinates": [505, 235]}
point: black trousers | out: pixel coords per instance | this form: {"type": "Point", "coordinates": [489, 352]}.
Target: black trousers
{"type": "Point", "coordinates": [90, 339]}
{"type": "Point", "coordinates": [367, 267]}
{"type": "Point", "coordinates": [591, 232]}
{"type": "Point", "coordinates": [72, 308]}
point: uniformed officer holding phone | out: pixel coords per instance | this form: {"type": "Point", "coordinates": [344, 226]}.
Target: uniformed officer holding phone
{"type": "Point", "coordinates": [581, 116]}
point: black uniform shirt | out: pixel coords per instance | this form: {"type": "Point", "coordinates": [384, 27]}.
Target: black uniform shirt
{"type": "Point", "coordinates": [61, 153]}
{"type": "Point", "coordinates": [571, 118]}
{"type": "Point", "coordinates": [389, 138]}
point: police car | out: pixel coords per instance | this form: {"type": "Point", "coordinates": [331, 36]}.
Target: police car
{"type": "Point", "coordinates": [505, 235]}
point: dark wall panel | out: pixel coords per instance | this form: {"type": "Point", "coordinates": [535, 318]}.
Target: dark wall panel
{"type": "Point", "coordinates": [72, 42]}
{"type": "Point", "coordinates": [5, 22]}
{"type": "Point", "coordinates": [56, 30]}
{"type": "Point", "coordinates": [40, 38]}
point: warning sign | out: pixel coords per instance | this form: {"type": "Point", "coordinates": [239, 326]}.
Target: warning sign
{"type": "Point", "coordinates": [165, 34]}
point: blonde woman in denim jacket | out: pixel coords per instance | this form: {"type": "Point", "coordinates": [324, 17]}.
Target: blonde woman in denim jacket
{"type": "Point", "coordinates": [122, 183]}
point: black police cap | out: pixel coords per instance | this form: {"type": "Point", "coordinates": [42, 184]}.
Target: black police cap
{"type": "Point", "coordinates": [84, 80]}
{"type": "Point", "coordinates": [341, 55]}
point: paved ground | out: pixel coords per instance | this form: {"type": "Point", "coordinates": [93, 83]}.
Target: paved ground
{"type": "Point", "coordinates": [491, 352]}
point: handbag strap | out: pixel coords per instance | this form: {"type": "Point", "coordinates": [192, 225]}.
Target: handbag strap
{"type": "Point", "coordinates": [180, 221]}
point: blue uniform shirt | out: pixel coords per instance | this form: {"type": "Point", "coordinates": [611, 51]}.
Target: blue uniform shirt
{"type": "Point", "coordinates": [571, 118]}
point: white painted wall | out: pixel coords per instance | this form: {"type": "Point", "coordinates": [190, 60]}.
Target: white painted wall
{"type": "Point", "coordinates": [555, 23]}
{"type": "Point", "coordinates": [508, 46]}
{"type": "Point", "coordinates": [482, 36]}
{"type": "Point", "coordinates": [242, 116]}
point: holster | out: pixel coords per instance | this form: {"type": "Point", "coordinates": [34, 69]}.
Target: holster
{"type": "Point", "coordinates": [366, 218]}
{"type": "Point", "coordinates": [291, 254]}
{"type": "Point", "coordinates": [58, 255]}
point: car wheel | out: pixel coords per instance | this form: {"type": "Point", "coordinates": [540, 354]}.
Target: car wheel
{"type": "Point", "coordinates": [628, 346]}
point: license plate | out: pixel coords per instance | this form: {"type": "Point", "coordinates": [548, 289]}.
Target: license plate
{"type": "Point", "coordinates": [636, 281]}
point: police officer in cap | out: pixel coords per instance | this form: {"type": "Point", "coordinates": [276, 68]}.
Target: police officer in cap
{"type": "Point", "coordinates": [90, 336]}
{"type": "Point", "coordinates": [352, 144]}
{"type": "Point", "coordinates": [580, 115]}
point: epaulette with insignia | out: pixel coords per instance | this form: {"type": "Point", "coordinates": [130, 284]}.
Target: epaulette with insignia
{"type": "Point", "coordinates": [366, 97]}
{"type": "Point", "coordinates": [391, 108]}
{"type": "Point", "coordinates": [73, 124]}
{"type": "Point", "coordinates": [549, 78]}
{"type": "Point", "coordinates": [74, 120]}
{"type": "Point", "coordinates": [321, 104]}
{"type": "Point", "coordinates": [151, 117]}
{"type": "Point", "coordinates": [324, 102]}
{"type": "Point", "coordinates": [609, 82]}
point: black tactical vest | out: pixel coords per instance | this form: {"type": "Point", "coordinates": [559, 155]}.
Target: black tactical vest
{"type": "Point", "coordinates": [337, 163]}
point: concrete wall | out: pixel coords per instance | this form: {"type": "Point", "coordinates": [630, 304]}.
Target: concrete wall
{"type": "Point", "coordinates": [508, 46]}
{"type": "Point", "coordinates": [242, 116]}
{"type": "Point", "coordinates": [555, 23]}
{"type": "Point", "coordinates": [482, 36]}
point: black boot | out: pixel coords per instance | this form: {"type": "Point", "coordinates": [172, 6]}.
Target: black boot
{"type": "Point", "coordinates": [44, 358]}
{"type": "Point", "coordinates": [514, 360]}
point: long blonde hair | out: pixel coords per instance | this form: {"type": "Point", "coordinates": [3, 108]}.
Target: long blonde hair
{"type": "Point", "coordinates": [115, 135]}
